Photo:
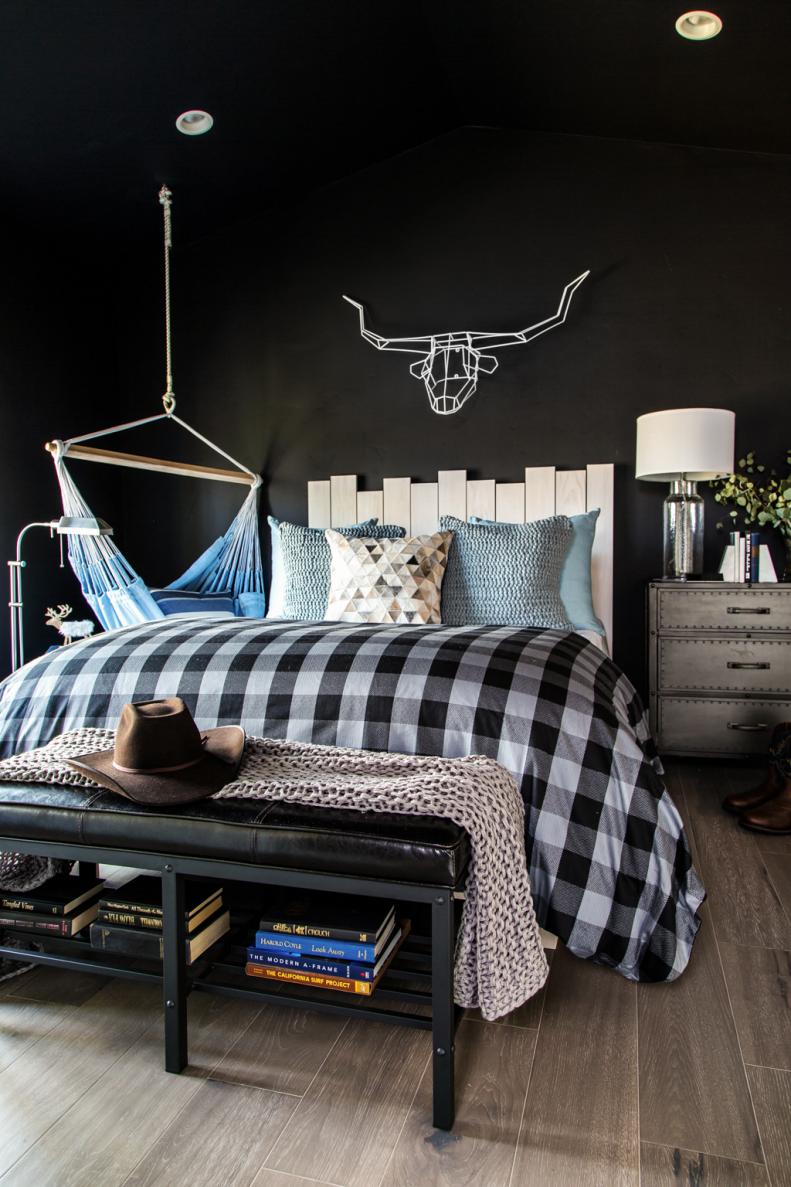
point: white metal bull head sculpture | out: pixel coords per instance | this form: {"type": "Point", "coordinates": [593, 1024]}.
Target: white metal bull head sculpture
{"type": "Point", "coordinates": [449, 363]}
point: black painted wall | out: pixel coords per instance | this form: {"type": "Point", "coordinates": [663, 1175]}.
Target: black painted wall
{"type": "Point", "coordinates": [57, 368]}
{"type": "Point", "coordinates": [686, 304]}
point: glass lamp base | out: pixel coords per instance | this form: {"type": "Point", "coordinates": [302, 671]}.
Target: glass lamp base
{"type": "Point", "coordinates": [683, 531]}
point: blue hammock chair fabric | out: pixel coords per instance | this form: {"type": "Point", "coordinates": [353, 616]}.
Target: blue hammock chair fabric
{"type": "Point", "coordinates": [119, 597]}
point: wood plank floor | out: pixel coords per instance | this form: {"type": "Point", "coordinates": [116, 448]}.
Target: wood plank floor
{"type": "Point", "coordinates": [598, 1082]}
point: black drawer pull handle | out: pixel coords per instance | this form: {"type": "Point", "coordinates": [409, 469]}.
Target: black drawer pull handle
{"type": "Point", "coordinates": [749, 610]}
{"type": "Point", "coordinates": [749, 729]}
{"type": "Point", "coordinates": [751, 667]}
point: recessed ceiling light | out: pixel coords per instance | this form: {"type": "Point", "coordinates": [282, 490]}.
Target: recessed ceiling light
{"type": "Point", "coordinates": [698, 25]}
{"type": "Point", "coordinates": [195, 123]}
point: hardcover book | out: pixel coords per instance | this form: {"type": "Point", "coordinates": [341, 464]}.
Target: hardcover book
{"type": "Point", "coordinates": [330, 949]}
{"type": "Point", "coordinates": [331, 917]}
{"type": "Point", "coordinates": [154, 922]}
{"type": "Point", "coordinates": [143, 896]}
{"type": "Point", "coordinates": [347, 970]}
{"type": "Point", "coordinates": [149, 945]}
{"type": "Point", "coordinates": [312, 980]}
{"type": "Point", "coordinates": [63, 925]}
{"type": "Point", "coordinates": [326, 981]}
{"type": "Point", "coordinates": [59, 895]}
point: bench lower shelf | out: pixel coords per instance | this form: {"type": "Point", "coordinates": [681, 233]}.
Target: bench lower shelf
{"type": "Point", "coordinates": [420, 977]}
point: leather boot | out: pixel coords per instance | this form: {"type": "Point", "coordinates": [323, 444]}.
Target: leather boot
{"type": "Point", "coordinates": [771, 785]}
{"type": "Point", "coordinates": [774, 815]}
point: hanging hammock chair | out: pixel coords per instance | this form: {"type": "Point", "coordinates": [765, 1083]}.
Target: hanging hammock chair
{"type": "Point", "coordinates": [117, 595]}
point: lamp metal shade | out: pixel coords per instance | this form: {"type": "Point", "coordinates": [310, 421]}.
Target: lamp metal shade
{"type": "Point", "coordinates": [81, 525]}
{"type": "Point", "coordinates": [696, 443]}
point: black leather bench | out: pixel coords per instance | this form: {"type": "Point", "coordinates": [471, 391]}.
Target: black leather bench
{"type": "Point", "coordinates": [410, 859]}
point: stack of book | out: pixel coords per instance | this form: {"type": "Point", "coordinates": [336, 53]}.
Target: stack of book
{"type": "Point", "coordinates": [63, 906]}
{"type": "Point", "coordinates": [129, 919]}
{"type": "Point", "coordinates": [336, 942]}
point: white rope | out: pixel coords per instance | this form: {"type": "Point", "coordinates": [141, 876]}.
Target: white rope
{"type": "Point", "coordinates": [130, 424]}
{"type": "Point", "coordinates": [169, 398]}
{"type": "Point", "coordinates": [239, 466]}
{"type": "Point", "coordinates": [166, 201]}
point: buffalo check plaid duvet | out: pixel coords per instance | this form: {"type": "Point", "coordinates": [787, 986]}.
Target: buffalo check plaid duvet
{"type": "Point", "coordinates": [610, 868]}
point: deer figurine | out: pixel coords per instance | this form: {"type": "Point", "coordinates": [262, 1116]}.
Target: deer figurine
{"type": "Point", "coordinates": [69, 631]}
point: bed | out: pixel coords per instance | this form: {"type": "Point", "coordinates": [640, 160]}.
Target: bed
{"type": "Point", "coordinates": [610, 866]}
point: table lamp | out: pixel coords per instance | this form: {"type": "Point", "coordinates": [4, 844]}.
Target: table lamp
{"type": "Point", "coordinates": [684, 446]}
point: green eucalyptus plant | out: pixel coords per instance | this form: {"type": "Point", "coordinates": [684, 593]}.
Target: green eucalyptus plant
{"type": "Point", "coordinates": [758, 497]}
{"type": "Point", "coordinates": [755, 496]}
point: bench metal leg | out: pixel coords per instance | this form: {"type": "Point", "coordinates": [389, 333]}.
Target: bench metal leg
{"type": "Point", "coordinates": [442, 1009]}
{"type": "Point", "coordinates": [174, 970]}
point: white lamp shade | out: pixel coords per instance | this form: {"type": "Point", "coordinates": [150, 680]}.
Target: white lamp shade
{"type": "Point", "coordinates": [694, 442]}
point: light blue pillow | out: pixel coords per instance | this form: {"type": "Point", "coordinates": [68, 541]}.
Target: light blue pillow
{"type": "Point", "coordinates": [506, 574]}
{"type": "Point", "coordinates": [306, 559]}
{"type": "Point", "coordinates": [277, 587]}
{"type": "Point", "coordinates": [575, 577]}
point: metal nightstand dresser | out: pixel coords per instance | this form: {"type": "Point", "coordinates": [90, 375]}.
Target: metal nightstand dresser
{"type": "Point", "coordinates": [719, 665]}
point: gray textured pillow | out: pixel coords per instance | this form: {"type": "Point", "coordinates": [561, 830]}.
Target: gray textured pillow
{"type": "Point", "coordinates": [277, 586]}
{"type": "Point", "coordinates": [506, 574]}
{"type": "Point", "coordinates": [305, 556]}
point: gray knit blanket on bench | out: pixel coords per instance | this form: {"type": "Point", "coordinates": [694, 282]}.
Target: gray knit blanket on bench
{"type": "Point", "coordinates": [500, 961]}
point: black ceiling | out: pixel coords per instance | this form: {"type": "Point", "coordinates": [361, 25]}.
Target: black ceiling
{"type": "Point", "coordinates": [306, 91]}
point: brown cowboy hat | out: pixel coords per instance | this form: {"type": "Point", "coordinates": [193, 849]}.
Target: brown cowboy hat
{"type": "Point", "coordinates": [161, 757]}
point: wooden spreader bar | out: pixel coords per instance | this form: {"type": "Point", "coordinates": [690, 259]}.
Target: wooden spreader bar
{"type": "Point", "coordinates": [135, 461]}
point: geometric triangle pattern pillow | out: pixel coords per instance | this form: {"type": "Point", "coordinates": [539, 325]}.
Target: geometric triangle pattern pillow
{"type": "Point", "coordinates": [387, 580]}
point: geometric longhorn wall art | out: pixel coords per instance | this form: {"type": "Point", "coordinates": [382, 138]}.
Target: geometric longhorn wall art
{"type": "Point", "coordinates": [449, 364]}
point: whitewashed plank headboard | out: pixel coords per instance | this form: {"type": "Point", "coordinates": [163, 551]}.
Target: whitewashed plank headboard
{"type": "Point", "coordinates": [417, 506]}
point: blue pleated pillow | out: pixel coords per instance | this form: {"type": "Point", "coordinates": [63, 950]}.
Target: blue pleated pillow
{"type": "Point", "coordinates": [189, 601]}
{"type": "Point", "coordinates": [277, 586]}
{"type": "Point", "coordinates": [305, 555]}
{"type": "Point", "coordinates": [506, 574]}
{"type": "Point", "coordinates": [575, 578]}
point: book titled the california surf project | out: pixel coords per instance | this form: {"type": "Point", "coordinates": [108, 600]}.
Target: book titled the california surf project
{"type": "Point", "coordinates": [311, 980]}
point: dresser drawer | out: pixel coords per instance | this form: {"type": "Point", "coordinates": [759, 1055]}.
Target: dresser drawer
{"type": "Point", "coordinates": [689, 725]}
{"type": "Point", "coordinates": [725, 665]}
{"type": "Point", "coordinates": [753, 608]}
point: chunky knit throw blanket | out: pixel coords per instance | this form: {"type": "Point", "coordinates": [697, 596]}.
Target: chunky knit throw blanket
{"type": "Point", "coordinates": [500, 962]}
